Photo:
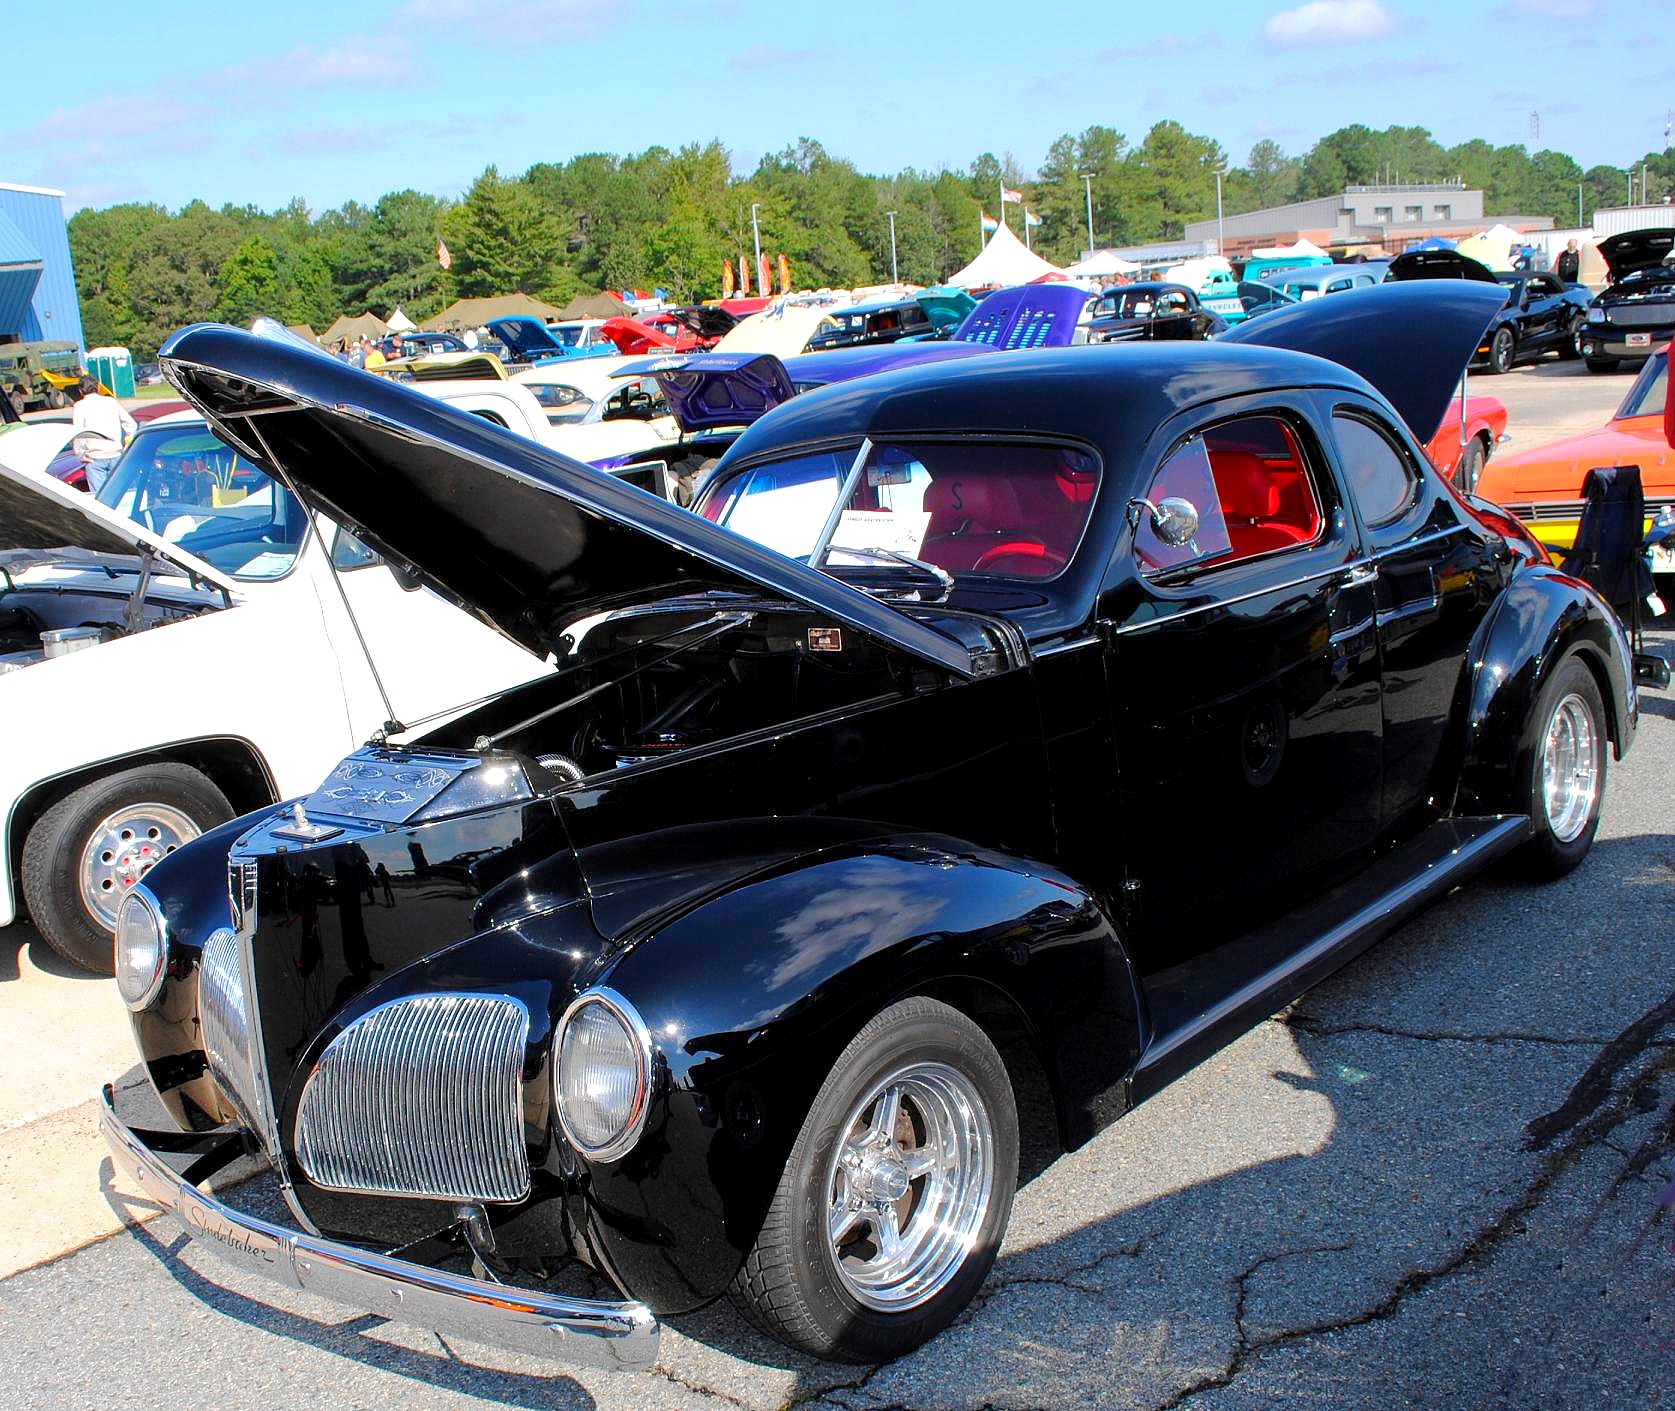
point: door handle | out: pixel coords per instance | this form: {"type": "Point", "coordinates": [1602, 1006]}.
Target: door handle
{"type": "Point", "coordinates": [1361, 574]}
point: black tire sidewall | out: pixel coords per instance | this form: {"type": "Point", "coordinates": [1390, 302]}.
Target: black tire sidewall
{"type": "Point", "coordinates": [53, 848]}
{"type": "Point", "coordinates": [852, 1330]}
{"type": "Point", "coordinates": [1571, 348]}
{"type": "Point", "coordinates": [1499, 362]}
{"type": "Point", "coordinates": [1470, 469]}
{"type": "Point", "coordinates": [1545, 855]}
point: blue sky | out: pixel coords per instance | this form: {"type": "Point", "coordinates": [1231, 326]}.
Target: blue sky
{"type": "Point", "coordinates": [257, 103]}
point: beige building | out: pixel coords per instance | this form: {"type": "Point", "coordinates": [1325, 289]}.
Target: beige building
{"type": "Point", "coordinates": [1364, 220]}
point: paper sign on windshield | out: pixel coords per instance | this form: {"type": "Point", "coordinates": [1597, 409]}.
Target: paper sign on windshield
{"type": "Point", "coordinates": [901, 531]}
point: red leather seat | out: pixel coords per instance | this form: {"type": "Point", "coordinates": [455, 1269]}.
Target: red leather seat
{"type": "Point", "coordinates": [970, 516]}
{"type": "Point", "coordinates": [1250, 495]}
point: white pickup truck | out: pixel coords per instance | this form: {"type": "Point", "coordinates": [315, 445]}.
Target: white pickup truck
{"type": "Point", "coordinates": [141, 637]}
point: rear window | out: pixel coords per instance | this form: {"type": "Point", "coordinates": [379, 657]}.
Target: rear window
{"type": "Point", "coordinates": [1002, 509]}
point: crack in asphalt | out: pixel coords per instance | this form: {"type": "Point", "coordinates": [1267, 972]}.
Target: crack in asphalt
{"type": "Point", "coordinates": [1588, 1118]}
{"type": "Point", "coordinates": [1308, 1024]}
{"type": "Point", "coordinates": [669, 1375]}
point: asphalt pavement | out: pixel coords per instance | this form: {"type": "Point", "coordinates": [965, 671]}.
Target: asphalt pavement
{"type": "Point", "coordinates": [1434, 1182]}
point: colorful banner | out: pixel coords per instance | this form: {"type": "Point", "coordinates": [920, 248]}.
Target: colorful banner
{"type": "Point", "coordinates": [1008, 194]}
{"type": "Point", "coordinates": [444, 256]}
{"type": "Point", "coordinates": [744, 276]}
{"type": "Point", "coordinates": [1030, 218]}
{"type": "Point", "coordinates": [784, 275]}
{"type": "Point", "coordinates": [764, 276]}
{"type": "Point", "coordinates": [727, 279]}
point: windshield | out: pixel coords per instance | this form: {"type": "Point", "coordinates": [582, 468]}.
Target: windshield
{"type": "Point", "coordinates": [1003, 509]}
{"type": "Point", "coordinates": [569, 334]}
{"type": "Point", "coordinates": [1651, 389]}
{"type": "Point", "coordinates": [187, 485]}
{"type": "Point", "coordinates": [561, 402]}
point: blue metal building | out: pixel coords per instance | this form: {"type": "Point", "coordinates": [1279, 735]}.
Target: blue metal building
{"type": "Point", "coordinates": [37, 284]}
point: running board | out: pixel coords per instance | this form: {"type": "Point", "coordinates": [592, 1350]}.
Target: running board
{"type": "Point", "coordinates": [1344, 922]}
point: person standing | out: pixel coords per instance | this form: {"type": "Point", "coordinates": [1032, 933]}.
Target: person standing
{"type": "Point", "coordinates": [1569, 263]}
{"type": "Point", "coordinates": [102, 427]}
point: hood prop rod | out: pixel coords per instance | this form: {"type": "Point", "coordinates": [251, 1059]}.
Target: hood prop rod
{"type": "Point", "coordinates": [133, 615]}
{"type": "Point", "coordinates": [391, 725]}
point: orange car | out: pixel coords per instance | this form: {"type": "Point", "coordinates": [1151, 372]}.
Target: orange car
{"type": "Point", "coordinates": [1543, 487]}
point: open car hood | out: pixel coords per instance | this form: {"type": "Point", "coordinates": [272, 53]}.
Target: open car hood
{"type": "Point", "coordinates": [39, 513]}
{"type": "Point", "coordinates": [1438, 264]}
{"type": "Point", "coordinates": [526, 539]}
{"type": "Point", "coordinates": [705, 320]}
{"type": "Point", "coordinates": [1029, 316]}
{"type": "Point", "coordinates": [1636, 250]}
{"type": "Point", "coordinates": [842, 364]}
{"type": "Point", "coordinates": [1410, 340]}
{"type": "Point", "coordinates": [707, 391]}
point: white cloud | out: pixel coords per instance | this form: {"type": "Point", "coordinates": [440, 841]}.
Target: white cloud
{"type": "Point", "coordinates": [1548, 9]}
{"type": "Point", "coordinates": [1322, 22]}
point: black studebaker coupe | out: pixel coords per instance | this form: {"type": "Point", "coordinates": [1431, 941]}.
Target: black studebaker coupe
{"type": "Point", "coordinates": [1055, 713]}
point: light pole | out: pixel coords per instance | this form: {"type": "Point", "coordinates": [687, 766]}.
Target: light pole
{"type": "Point", "coordinates": [1087, 186]}
{"type": "Point", "coordinates": [1220, 172]}
{"type": "Point", "coordinates": [894, 277]}
{"type": "Point", "coordinates": [756, 236]}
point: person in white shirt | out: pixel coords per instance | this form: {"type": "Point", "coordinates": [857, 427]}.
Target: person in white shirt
{"type": "Point", "coordinates": [102, 427]}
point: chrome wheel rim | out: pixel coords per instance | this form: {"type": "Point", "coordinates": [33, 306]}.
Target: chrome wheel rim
{"type": "Point", "coordinates": [908, 1186]}
{"type": "Point", "coordinates": [1570, 768]}
{"type": "Point", "coordinates": [122, 848]}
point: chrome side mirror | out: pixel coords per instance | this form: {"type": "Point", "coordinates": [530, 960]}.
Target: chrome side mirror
{"type": "Point", "coordinates": [1174, 520]}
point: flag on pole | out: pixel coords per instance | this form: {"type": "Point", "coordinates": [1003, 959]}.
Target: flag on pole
{"type": "Point", "coordinates": [1008, 194]}
{"type": "Point", "coordinates": [726, 278]}
{"type": "Point", "coordinates": [1030, 218]}
{"type": "Point", "coordinates": [444, 256]}
{"type": "Point", "coordinates": [990, 224]}
{"type": "Point", "coordinates": [784, 275]}
{"type": "Point", "coordinates": [744, 276]}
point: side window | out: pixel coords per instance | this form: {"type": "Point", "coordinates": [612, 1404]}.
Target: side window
{"type": "Point", "coordinates": [1379, 474]}
{"type": "Point", "coordinates": [1253, 491]}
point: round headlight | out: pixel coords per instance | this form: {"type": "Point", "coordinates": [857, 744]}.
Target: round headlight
{"type": "Point", "coordinates": [141, 948]}
{"type": "Point", "coordinates": [601, 1074]}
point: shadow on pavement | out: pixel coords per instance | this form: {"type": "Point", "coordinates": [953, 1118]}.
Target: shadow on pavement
{"type": "Point", "coordinates": [18, 940]}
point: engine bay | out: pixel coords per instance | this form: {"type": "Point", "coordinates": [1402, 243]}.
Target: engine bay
{"type": "Point", "coordinates": [46, 614]}
{"type": "Point", "coordinates": [644, 686]}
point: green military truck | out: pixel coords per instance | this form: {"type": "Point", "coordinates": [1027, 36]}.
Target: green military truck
{"type": "Point", "coordinates": [24, 369]}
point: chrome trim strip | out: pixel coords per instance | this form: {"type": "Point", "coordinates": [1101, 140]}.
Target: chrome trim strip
{"type": "Point", "coordinates": [619, 1336]}
{"type": "Point", "coordinates": [421, 1096]}
{"type": "Point", "coordinates": [623, 1143]}
{"type": "Point", "coordinates": [1434, 536]}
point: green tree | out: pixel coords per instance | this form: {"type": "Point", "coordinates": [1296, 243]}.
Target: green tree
{"type": "Point", "coordinates": [249, 283]}
{"type": "Point", "coordinates": [501, 239]}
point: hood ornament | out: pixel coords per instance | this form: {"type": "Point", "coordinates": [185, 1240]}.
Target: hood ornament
{"type": "Point", "coordinates": [300, 828]}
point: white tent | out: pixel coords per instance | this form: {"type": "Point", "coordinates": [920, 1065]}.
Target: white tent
{"type": "Point", "coordinates": [1490, 247]}
{"type": "Point", "coordinates": [400, 323]}
{"type": "Point", "coordinates": [1304, 248]}
{"type": "Point", "coordinates": [1001, 263]}
{"type": "Point", "coordinates": [1101, 264]}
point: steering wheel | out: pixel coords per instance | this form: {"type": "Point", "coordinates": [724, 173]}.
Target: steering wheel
{"type": "Point", "coordinates": [1022, 548]}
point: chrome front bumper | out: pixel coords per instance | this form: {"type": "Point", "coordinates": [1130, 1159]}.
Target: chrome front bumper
{"type": "Point", "coordinates": [617, 1336]}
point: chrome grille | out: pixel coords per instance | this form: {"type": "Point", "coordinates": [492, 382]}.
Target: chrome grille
{"type": "Point", "coordinates": [241, 893]}
{"type": "Point", "coordinates": [224, 1025]}
{"type": "Point", "coordinates": [1638, 315]}
{"type": "Point", "coordinates": [421, 1097]}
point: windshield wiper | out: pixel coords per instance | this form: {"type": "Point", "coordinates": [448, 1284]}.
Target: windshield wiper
{"type": "Point", "coordinates": [891, 558]}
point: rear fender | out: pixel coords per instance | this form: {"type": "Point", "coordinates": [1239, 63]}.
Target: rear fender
{"type": "Point", "coordinates": [1543, 617]}
{"type": "Point", "coordinates": [752, 994]}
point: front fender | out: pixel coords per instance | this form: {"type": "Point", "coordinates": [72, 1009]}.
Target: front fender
{"type": "Point", "coordinates": [751, 996]}
{"type": "Point", "coordinates": [1542, 617]}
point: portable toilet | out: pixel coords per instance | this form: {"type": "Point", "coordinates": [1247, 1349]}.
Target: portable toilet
{"type": "Point", "coordinates": [114, 367]}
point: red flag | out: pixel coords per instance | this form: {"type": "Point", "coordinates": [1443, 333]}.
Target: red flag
{"type": "Point", "coordinates": [784, 275]}
{"type": "Point", "coordinates": [444, 256]}
{"type": "Point", "coordinates": [726, 278]}
{"type": "Point", "coordinates": [765, 278]}
{"type": "Point", "coordinates": [744, 276]}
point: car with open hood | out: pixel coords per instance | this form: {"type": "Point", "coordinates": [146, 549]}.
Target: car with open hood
{"type": "Point", "coordinates": [1057, 713]}
{"type": "Point", "coordinates": [1543, 486]}
{"type": "Point", "coordinates": [190, 554]}
{"type": "Point", "coordinates": [1635, 312]}
{"type": "Point", "coordinates": [1540, 313]}
{"type": "Point", "coordinates": [874, 322]}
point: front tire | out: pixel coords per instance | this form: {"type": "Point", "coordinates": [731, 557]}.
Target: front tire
{"type": "Point", "coordinates": [1470, 469]}
{"type": "Point", "coordinates": [1503, 348]}
{"type": "Point", "coordinates": [1563, 770]}
{"type": "Point", "coordinates": [86, 851]}
{"type": "Point", "coordinates": [896, 1195]}
{"type": "Point", "coordinates": [1571, 348]}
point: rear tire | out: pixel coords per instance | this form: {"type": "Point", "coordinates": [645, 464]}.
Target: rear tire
{"type": "Point", "coordinates": [1563, 771]}
{"type": "Point", "coordinates": [938, 1165]}
{"type": "Point", "coordinates": [85, 851]}
{"type": "Point", "coordinates": [1571, 349]}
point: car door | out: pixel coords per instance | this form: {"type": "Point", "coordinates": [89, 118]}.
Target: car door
{"type": "Point", "coordinates": [1243, 673]}
{"type": "Point", "coordinates": [1435, 576]}
{"type": "Point", "coordinates": [1544, 310]}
